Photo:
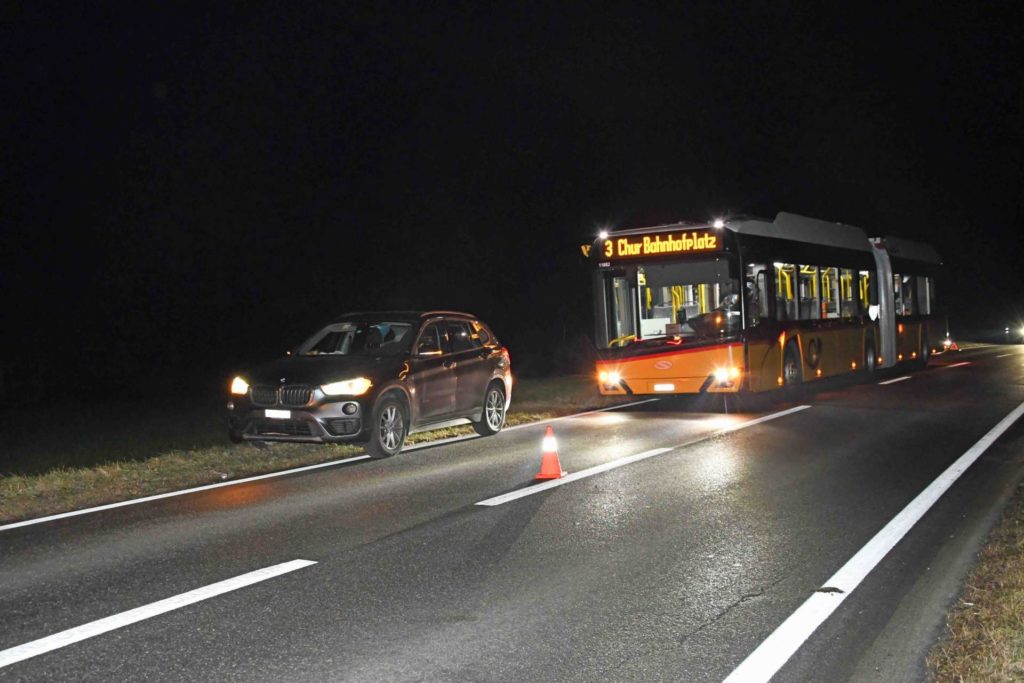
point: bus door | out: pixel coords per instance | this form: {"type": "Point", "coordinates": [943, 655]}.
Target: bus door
{"type": "Point", "coordinates": [621, 294]}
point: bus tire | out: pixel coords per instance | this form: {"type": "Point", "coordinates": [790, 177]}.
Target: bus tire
{"type": "Point", "coordinates": [924, 352]}
{"type": "Point", "coordinates": [870, 360]}
{"type": "Point", "coordinates": [792, 372]}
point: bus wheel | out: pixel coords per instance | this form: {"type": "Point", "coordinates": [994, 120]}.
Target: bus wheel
{"type": "Point", "coordinates": [870, 360]}
{"type": "Point", "coordinates": [792, 373]}
{"type": "Point", "coordinates": [923, 353]}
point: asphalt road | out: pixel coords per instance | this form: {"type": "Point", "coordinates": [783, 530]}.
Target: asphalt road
{"type": "Point", "coordinates": [675, 566]}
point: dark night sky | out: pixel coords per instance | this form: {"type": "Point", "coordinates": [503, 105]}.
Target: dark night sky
{"type": "Point", "coordinates": [189, 189]}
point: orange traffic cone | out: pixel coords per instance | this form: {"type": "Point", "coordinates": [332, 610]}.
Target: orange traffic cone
{"type": "Point", "coordinates": [550, 468]}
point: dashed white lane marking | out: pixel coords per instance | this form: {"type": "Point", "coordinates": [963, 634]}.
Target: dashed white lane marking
{"type": "Point", "coordinates": [171, 494]}
{"type": "Point", "coordinates": [282, 473]}
{"type": "Point", "coordinates": [893, 381]}
{"type": "Point", "coordinates": [95, 628]}
{"type": "Point", "coordinates": [1004, 355]}
{"type": "Point", "coordinates": [957, 365]}
{"type": "Point", "coordinates": [773, 653]}
{"type": "Point", "coordinates": [629, 459]}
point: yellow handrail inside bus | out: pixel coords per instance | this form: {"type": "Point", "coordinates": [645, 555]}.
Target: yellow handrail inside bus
{"type": "Point", "coordinates": [677, 301]}
{"type": "Point", "coordinates": [865, 279]}
{"type": "Point", "coordinates": [785, 276]}
{"type": "Point", "coordinates": [703, 294]}
{"type": "Point", "coordinates": [621, 341]}
{"type": "Point", "coordinates": [846, 286]}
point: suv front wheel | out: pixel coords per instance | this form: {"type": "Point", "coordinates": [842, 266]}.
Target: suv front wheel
{"type": "Point", "coordinates": [388, 428]}
{"type": "Point", "coordinates": [492, 418]}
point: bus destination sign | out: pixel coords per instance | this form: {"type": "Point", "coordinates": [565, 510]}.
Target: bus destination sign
{"type": "Point", "coordinates": [661, 244]}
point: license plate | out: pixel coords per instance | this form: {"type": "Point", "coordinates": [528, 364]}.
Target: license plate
{"type": "Point", "coordinates": [279, 414]}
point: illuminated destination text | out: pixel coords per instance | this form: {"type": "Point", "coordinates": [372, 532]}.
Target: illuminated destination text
{"type": "Point", "coordinates": [664, 243]}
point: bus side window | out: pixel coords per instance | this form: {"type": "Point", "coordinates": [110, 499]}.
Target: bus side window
{"type": "Point", "coordinates": [903, 294]}
{"type": "Point", "coordinates": [809, 296]}
{"type": "Point", "coordinates": [847, 303]}
{"type": "Point", "coordinates": [785, 299]}
{"type": "Point", "coordinates": [757, 293]}
{"type": "Point", "coordinates": [830, 293]}
{"type": "Point", "coordinates": [868, 293]}
{"type": "Point", "coordinates": [925, 295]}
{"type": "Point", "coordinates": [909, 300]}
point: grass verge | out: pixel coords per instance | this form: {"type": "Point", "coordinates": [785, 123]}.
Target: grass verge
{"type": "Point", "coordinates": [133, 454]}
{"type": "Point", "coordinates": [985, 629]}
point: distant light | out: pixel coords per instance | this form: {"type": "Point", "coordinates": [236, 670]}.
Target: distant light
{"type": "Point", "coordinates": [603, 234]}
{"type": "Point", "coordinates": [718, 224]}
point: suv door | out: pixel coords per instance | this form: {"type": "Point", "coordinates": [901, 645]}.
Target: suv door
{"type": "Point", "coordinates": [472, 366]}
{"type": "Point", "coordinates": [433, 374]}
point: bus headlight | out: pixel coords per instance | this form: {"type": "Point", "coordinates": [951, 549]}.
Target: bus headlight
{"type": "Point", "coordinates": [609, 378]}
{"type": "Point", "coordinates": [727, 375]}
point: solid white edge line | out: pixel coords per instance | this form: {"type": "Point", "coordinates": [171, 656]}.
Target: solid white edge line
{"type": "Point", "coordinates": [304, 468]}
{"type": "Point", "coordinates": [893, 381]}
{"type": "Point", "coordinates": [782, 644]}
{"type": "Point", "coordinates": [182, 492]}
{"type": "Point", "coordinates": [956, 365]}
{"type": "Point", "coordinates": [101, 626]}
{"type": "Point", "coordinates": [626, 460]}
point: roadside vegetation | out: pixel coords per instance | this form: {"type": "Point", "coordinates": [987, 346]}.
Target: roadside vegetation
{"type": "Point", "coordinates": [985, 629]}
{"type": "Point", "coordinates": [66, 458]}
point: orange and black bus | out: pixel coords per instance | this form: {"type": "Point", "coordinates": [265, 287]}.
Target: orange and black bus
{"type": "Point", "coordinates": [749, 304]}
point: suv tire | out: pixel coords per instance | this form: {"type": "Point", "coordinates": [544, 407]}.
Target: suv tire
{"type": "Point", "coordinates": [388, 428]}
{"type": "Point", "coordinates": [492, 416]}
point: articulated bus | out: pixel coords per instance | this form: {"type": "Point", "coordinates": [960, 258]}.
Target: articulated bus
{"type": "Point", "coordinates": [749, 304]}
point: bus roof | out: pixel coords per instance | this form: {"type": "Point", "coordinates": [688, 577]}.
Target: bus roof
{"type": "Point", "coordinates": [789, 226]}
{"type": "Point", "coordinates": [911, 251]}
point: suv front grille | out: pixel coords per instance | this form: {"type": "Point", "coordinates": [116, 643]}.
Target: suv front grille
{"type": "Point", "coordinates": [290, 395]}
{"type": "Point", "coordinates": [295, 396]}
{"type": "Point", "coordinates": [264, 396]}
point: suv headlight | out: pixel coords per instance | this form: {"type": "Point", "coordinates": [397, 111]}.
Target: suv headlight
{"type": "Point", "coordinates": [239, 387]}
{"type": "Point", "coordinates": [347, 387]}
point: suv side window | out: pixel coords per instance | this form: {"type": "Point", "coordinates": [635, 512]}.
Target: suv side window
{"type": "Point", "coordinates": [480, 333]}
{"type": "Point", "coordinates": [432, 340]}
{"type": "Point", "coordinates": [461, 337]}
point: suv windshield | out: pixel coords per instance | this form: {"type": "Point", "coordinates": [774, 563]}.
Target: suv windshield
{"type": "Point", "coordinates": [361, 338]}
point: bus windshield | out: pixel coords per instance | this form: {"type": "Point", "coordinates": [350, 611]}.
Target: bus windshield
{"type": "Point", "coordinates": [693, 299]}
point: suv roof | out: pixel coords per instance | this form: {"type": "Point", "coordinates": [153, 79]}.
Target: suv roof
{"type": "Point", "coordinates": [403, 316]}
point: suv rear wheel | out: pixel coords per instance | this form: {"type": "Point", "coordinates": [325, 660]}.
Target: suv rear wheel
{"type": "Point", "coordinates": [492, 419]}
{"type": "Point", "coordinates": [388, 428]}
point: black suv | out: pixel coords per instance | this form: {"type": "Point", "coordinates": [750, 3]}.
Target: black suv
{"type": "Point", "coordinates": [374, 378]}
